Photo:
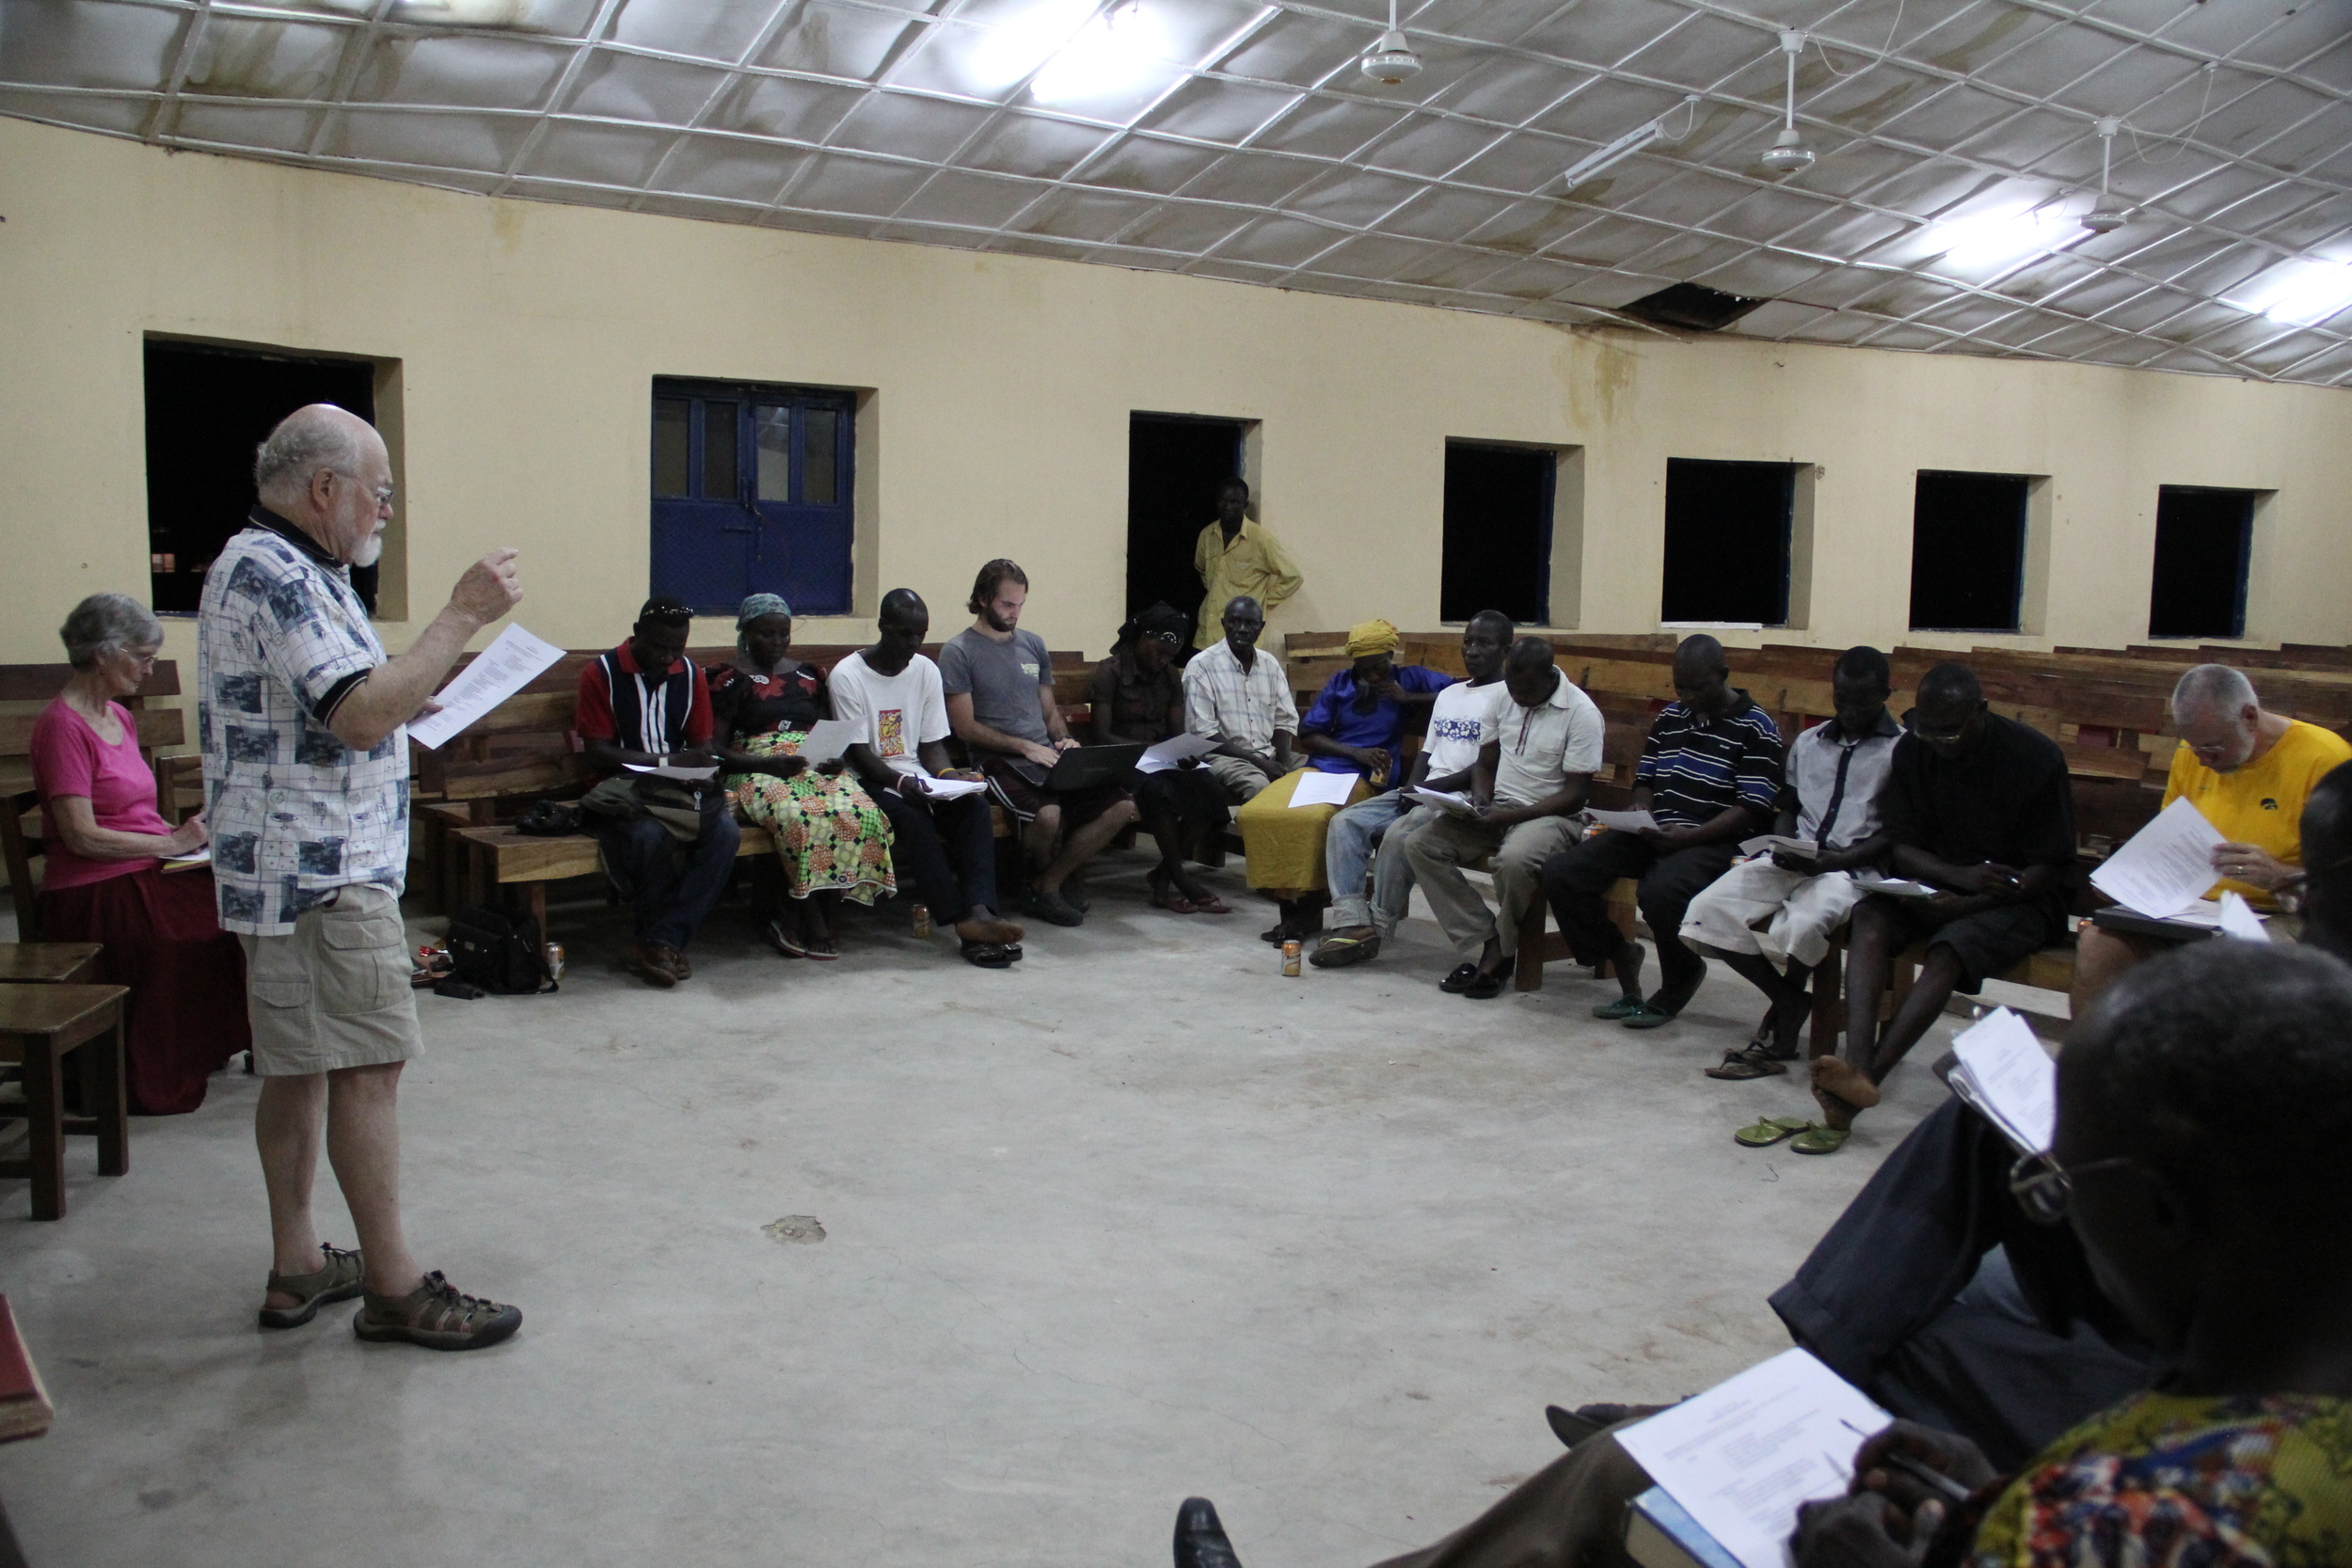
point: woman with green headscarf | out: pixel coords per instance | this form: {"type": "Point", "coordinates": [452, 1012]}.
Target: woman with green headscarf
{"type": "Point", "coordinates": [831, 838]}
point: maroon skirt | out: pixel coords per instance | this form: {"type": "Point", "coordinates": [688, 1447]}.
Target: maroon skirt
{"type": "Point", "coordinates": [185, 1014]}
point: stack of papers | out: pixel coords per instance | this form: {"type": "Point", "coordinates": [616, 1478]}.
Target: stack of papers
{"type": "Point", "coordinates": [941, 789]}
{"type": "Point", "coordinates": [1770, 842]}
{"type": "Point", "coordinates": [665, 770]}
{"type": "Point", "coordinates": [1741, 1457]}
{"type": "Point", "coordinates": [2008, 1079]}
{"type": "Point", "coordinates": [1623, 821]}
{"type": "Point", "coordinates": [1894, 887]}
{"type": "Point", "coordinates": [1175, 748]}
{"type": "Point", "coordinates": [1451, 800]}
{"type": "Point", "coordinates": [190, 861]}
{"type": "Point", "coordinates": [2166, 866]}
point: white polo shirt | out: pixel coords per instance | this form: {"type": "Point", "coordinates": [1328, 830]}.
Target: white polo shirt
{"type": "Point", "coordinates": [1541, 746]}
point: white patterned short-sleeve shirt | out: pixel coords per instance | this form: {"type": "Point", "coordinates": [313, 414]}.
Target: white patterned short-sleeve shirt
{"type": "Point", "coordinates": [281, 639]}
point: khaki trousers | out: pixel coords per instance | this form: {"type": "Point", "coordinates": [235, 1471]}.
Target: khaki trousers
{"type": "Point", "coordinates": [1437, 853]}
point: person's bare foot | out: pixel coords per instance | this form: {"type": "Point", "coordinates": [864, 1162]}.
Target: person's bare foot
{"type": "Point", "coordinates": [1842, 1091]}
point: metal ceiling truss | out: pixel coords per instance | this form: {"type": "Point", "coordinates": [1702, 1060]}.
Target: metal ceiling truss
{"type": "Point", "coordinates": [2230, 215]}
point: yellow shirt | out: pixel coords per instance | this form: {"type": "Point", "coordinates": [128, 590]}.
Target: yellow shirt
{"type": "Point", "coordinates": [1253, 564]}
{"type": "Point", "coordinates": [2261, 804]}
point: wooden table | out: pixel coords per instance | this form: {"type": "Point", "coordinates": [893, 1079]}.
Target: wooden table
{"type": "Point", "coordinates": [52, 963]}
{"type": "Point", "coordinates": [40, 1026]}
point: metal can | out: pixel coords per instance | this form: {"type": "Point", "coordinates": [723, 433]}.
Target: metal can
{"type": "Point", "coordinates": [922, 920]}
{"type": "Point", "coordinates": [1290, 960]}
{"type": "Point", "coordinates": [554, 955]}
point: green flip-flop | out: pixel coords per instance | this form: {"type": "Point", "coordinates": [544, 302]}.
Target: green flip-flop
{"type": "Point", "coordinates": [1764, 1134]}
{"type": "Point", "coordinates": [1647, 1017]}
{"type": "Point", "coordinates": [1821, 1140]}
{"type": "Point", "coordinates": [1624, 1006]}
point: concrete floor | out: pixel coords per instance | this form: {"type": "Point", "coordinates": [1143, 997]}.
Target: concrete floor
{"type": "Point", "coordinates": [1137, 1219]}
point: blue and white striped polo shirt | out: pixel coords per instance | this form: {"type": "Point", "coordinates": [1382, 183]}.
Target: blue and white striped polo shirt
{"type": "Point", "coordinates": [1698, 768]}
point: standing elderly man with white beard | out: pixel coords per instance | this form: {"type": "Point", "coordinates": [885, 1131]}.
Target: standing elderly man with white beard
{"type": "Point", "coordinates": [301, 719]}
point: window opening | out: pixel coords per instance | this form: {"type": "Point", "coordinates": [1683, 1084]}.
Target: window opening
{"type": "Point", "coordinates": [1175, 466]}
{"type": "Point", "coordinates": [2204, 545]}
{"type": "Point", "coordinates": [1728, 527]}
{"type": "Point", "coordinates": [1497, 552]}
{"type": "Point", "coordinates": [752, 493]}
{"type": "Point", "coordinates": [207, 409]}
{"type": "Point", "coordinates": [1969, 550]}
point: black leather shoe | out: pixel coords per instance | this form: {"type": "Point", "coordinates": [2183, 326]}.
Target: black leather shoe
{"type": "Point", "coordinates": [1463, 974]}
{"type": "Point", "coordinates": [1201, 1540]}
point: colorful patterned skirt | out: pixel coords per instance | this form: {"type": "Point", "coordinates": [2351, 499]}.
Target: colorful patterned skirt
{"type": "Point", "coordinates": [830, 836]}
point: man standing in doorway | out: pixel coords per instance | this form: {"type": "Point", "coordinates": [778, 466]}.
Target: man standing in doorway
{"type": "Point", "coordinates": [999, 684]}
{"type": "Point", "coordinates": [301, 721]}
{"type": "Point", "coordinates": [1236, 556]}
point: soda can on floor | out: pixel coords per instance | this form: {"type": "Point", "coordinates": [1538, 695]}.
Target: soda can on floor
{"type": "Point", "coordinates": [555, 961]}
{"type": "Point", "coordinates": [1290, 960]}
{"type": "Point", "coordinates": [922, 920]}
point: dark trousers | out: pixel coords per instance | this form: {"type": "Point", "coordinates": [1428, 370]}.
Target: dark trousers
{"type": "Point", "coordinates": [670, 886]}
{"type": "Point", "coordinates": [1900, 1298]}
{"type": "Point", "coordinates": [1577, 881]}
{"type": "Point", "coordinates": [948, 847]}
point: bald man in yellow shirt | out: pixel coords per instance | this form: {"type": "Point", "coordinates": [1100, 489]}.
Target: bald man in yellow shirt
{"type": "Point", "coordinates": [2249, 772]}
{"type": "Point", "coordinates": [1238, 558]}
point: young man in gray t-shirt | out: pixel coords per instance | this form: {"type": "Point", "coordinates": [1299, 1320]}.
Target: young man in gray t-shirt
{"type": "Point", "coordinates": [999, 682]}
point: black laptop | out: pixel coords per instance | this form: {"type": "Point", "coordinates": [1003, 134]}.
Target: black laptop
{"type": "Point", "coordinates": [1091, 766]}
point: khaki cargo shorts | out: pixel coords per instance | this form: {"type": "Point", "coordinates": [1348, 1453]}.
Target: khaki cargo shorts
{"type": "Point", "coordinates": [335, 993]}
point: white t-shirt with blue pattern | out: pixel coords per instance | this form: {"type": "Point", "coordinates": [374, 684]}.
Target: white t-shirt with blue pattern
{"type": "Point", "coordinates": [296, 813]}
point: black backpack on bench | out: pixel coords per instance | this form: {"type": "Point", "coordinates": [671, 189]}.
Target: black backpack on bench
{"type": "Point", "coordinates": [499, 953]}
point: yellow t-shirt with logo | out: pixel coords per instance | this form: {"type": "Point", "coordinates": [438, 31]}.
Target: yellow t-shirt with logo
{"type": "Point", "coordinates": [2261, 804]}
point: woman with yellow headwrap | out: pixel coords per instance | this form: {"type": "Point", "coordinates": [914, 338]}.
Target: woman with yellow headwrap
{"type": "Point", "coordinates": [1357, 724]}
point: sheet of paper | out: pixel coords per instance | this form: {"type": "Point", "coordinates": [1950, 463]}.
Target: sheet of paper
{"type": "Point", "coordinates": [190, 861]}
{"type": "Point", "coordinates": [664, 771]}
{"type": "Point", "coordinates": [1742, 1456]}
{"type": "Point", "coordinates": [1318, 788]}
{"type": "Point", "coordinates": [1175, 748]}
{"type": "Point", "coordinates": [828, 738]}
{"type": "Point", "coordinates": [2240, 920]}
{"type": "Point", "coordinates": [1766, 843]}
{"type": "Point", "coordinates": [2204, 913]}
{"type": "Point", "coordinates": [1899, 887]}
{"type": "Point", "coordinates": [942, 789]}
{"type": "Point", "coordinates": [2011, 1078]}
{"type": "Point", "coordinates": [1623, 821]}
{"type": "Point", "coordinates": [513, 660]}
{"type": "Point", "coordinates": [1451, 800]}
{"type": "Point", "coordinates": [2163, 867]}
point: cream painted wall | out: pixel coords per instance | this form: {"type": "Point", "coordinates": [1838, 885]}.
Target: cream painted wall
{"type": "Point", "coordinates": [527, 336]}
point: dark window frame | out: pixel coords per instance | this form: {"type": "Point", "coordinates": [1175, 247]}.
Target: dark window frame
{"type": "Point", "coordinates": [1537, 610]}
{"type": "Point", "coordinates": [1782, 604]}
{"type": "Point", "coordinates": [2017, 561]}
{"type": "Point", "coordinates": [2241, 578]}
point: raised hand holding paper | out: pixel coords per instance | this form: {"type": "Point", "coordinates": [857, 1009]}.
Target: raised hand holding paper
{"type": "Point", "coordinates": [1742, 1456]}
{"type": "Point", "coordinates": [513, 660]}
{"type": "Point", "coordinates": [2166, 866]}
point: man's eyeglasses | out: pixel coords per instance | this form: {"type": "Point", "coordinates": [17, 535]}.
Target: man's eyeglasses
{"type": "Point", "coordinates": [1167, 637]}
{"type": "Point", "coordinates": [2043, 1188]}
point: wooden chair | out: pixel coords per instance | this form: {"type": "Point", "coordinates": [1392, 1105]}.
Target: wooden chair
{"type": "Point", "coordinates": [47, 964]}
{"type": "Point", "coordinates": [40, 1027]}
{"type": "Point", "coordinates": [17, 849]}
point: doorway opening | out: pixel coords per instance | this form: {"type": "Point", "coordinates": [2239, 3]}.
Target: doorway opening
{"type": "Point", "coordinates": [207, 408]}
{"type": "Point", "coordinates": [1175, 462]}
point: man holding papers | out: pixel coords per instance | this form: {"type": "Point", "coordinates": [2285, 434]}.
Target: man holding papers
{"type": "Point", "coordinates": [1710, 777]}
{"type": "Point", "coordinates": [1461, 721]}
{"type": "Point", "coordinates": [1137, 695]}
{"type": "Point", "coordinates": [944, 845]}
{"type": "Point", "coordinates": [1537, 770]}
{"type": "Point", "coordinates": [2248, 772]}
{"type": "Point", "coordinates": [1770, 916]}
{"type": "Point", "coordinates": [1980, 808]}
{"type": "Point", "coordinates": [667, 843]}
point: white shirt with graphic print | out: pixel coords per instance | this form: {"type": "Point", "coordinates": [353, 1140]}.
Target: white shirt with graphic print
{"type": "Point", "coordinates": [898, 714]}
{"type": "Point", "coordinates": [1462, 719]}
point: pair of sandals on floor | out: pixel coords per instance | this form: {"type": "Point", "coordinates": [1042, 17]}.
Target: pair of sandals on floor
{"type": "Point", "coordinates": [1843, 1090]}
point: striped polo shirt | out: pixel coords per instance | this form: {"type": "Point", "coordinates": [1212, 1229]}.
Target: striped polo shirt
{"type": "Point", "coordinates": [1698, 768]}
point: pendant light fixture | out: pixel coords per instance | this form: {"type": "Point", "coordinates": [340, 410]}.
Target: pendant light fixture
{"type": "Point", "coordinates": [2107, 213]}
{"type": "Point", "coordinates": [1392, 62]}
{"type": "Point", "coordinates": [1789, 154]}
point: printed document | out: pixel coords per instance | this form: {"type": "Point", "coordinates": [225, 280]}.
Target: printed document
{"type": "Point", "coordinates": [1770, 842]}
{"type": "Point", "coordinates": [1742, 1456]}
{"type": "Point", "coordinates": [513, 660]}
{"type": "Point", "coordinates": [1623, 821]}
{"type": "Point", "coordinates": [2240, 920]}
{"type": "Point", "coordinates": [1175, 748]}
{"type": "Point", "coordinates": [828, 738]}
{"type": "Point", "coordinates": [1319, 788]}
{"type": "Point", "coordinates": [2166, 866]}
{"type": "Point", "coordinates": [2008, 1078]}
{"type": "Point", "coordinates": [938, 788]}
{"type": "Point", "coordinates": [668, 770]}
{"type": "Point", "coordinates": [1451, 800]}
{"type": "Point", "coordinates": [1896, 887]}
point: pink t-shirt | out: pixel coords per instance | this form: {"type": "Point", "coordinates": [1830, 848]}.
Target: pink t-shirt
{"type": "Point", "coordinates": [69, 758]}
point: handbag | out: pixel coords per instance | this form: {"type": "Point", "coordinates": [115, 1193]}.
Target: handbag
{"type": "Point", "coordinates": [684, 812]}
{"type": "Point", "coordinates": [500, 953]}
{"type": "Point", "coordinates": [548, 819]}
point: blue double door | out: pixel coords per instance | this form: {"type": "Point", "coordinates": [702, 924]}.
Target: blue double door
{"type": "Point", "coordinates": [752, 495]}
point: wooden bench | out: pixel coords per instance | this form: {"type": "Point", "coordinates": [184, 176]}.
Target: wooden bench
{"type": "Point", "coordinates": [24, 690]}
